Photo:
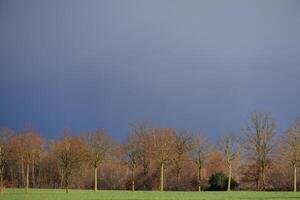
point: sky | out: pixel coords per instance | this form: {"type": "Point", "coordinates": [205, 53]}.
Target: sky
{"type": "Point", "coordinates": [197, 65]}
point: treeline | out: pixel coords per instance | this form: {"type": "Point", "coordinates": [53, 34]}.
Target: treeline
{"type": "Point", "coordinates": [153, 158]}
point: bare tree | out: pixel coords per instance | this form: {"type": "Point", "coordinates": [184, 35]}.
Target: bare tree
{"type": "Point", "coordinates": [28, 145]}
{"type": "Point", "coordinates": [132, 152]}
{"type": "Point", "coordinates": [199, 154]}
{"type": "Point", "coordinates": [99, 146]}
{"type": "Point", "coordinates": [229, 149]}
{"type": "Point", "coordinates": [164, 140]}
{"type": "Point", "coordinates": [258, 143]}
{"type": "Point", "coordinates": [5, 136]}
{"type": "Point", "coordinates": [183, 145]}
{"type": "Point", "coordinates": [143, 131]}
{"type": "Point", "coordinates": [292, 149]}
{"type": "Point", "coordinates": [71, 152]}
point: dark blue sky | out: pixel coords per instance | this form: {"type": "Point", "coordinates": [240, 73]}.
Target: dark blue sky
{"type": "Point", "coordinates": [200, 65]}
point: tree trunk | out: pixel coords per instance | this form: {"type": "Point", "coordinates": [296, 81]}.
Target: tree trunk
{"type": "Point", "coordinates": [145, 171]}
{"type": "Point", "coordinates": [295, 178]}
{"type": "Point", "coordinates": [145, 168]}
{"type": "Point", "coordinates": [1, 173]}
{"type": "Point", "coordinates": [199, 178]}
{"type": "Point", "coordinates": [257, 178]}
{"type": "Point", "coordinates": [68, 176]}
{"type": "Point", "coordinates": [67, 184]}
{"type": "Point", "coordinates": [177, 177]}
{"type": "Point", "coordinates": [38, 179]}
{"type": "Point", "coordinates": [162, 177]}
{"type": "Point", "coordinates": [95, 179]}
{"type": "Point", "coordinates": [33, 175]}
{"type": "Point", "coordinates": [263, 177]}
{"type": "Point", "coordinates": [62, 179]}
{"type": "Point", "coordinates": [1, 180]}
{"type": "Point", "coordinates": [27, 178]}
{"type": "Point", "coordinates": [22, 172]}
{"type": "Point", "coordinates": [229, 177]}
{"type": "Point", "coordinates": [132, 179]}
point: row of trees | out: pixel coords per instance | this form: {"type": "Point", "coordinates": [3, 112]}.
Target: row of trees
{"type": "Point", "coordinates": [152, 158]}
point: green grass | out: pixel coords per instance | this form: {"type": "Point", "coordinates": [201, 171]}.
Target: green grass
{"type": "Point", "coordinates": [49, 194]}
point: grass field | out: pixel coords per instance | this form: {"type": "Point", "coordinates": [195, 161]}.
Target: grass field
{"type": "Point", "coordinates": [48, 194]}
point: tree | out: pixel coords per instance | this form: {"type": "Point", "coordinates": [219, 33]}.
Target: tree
{"type": "Point", "coordinates": [183, 145]}
{"type": "Point", "coordinates": [199, 154]}
{"type": "Point", "coordinates": [142, 131]}
{"type": "Point", "coordinates": [28, 145]}
{"type": "Point", "coordinates": [99, 146]}
{"type": "Point", "coordinates": [229, 149]}
{"type": "Point", "coordinates": [5, 136]}
{"type": "Point", "coordinates": [292, 149]}
{"type": "Point", "coordinates": [132, 152]}
{"type": "Point", "coordinates": [258, 143]}
{"type": "Point", "coordinates": [50, 169]}
{"type": "Point", "coordinates": [71, 152]}
{"type": "Point", "coordinates": [163, 139]}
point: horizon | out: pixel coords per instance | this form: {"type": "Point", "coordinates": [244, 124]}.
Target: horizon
{"type": "Point", "coordinates": [203, 66]}
{"type": "Point", "coordinates": [214, 140]}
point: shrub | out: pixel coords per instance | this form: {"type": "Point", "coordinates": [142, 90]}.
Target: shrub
{"type": "Point", "coordinates": [218, 182]}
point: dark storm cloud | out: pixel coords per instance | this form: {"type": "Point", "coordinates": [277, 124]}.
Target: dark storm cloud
{"type": "Point", "coordinates": [203, 65]}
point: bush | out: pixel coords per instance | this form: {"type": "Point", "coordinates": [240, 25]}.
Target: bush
{"type": "Point", "coordinates": [218, 182]}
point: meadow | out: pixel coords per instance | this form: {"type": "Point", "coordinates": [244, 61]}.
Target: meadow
{"type": "Point", "coordinates": [50, 194]}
